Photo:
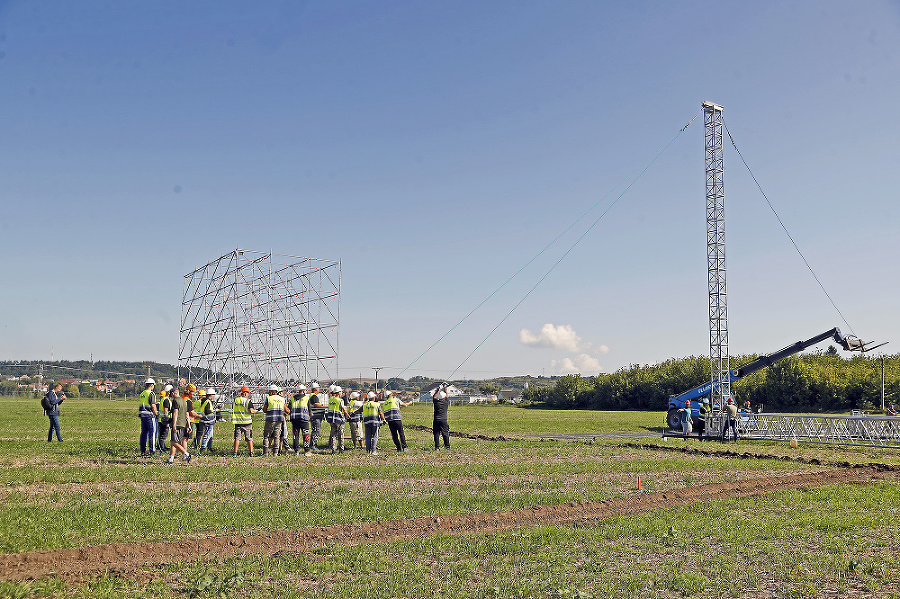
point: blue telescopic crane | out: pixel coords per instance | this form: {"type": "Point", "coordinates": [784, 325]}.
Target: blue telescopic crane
{"type": "Point", "coordinates": [696, 394]}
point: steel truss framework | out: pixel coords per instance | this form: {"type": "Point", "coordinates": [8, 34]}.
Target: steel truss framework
{"type": "Point", "coordinates": [715, 254]}
{"type": "Point", "coordinates": [858, 429]}
{"type": "Point", "coordinates": [257, 318]}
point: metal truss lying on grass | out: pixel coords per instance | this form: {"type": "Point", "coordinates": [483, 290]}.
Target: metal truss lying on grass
{"type": "Point", "coordinates": [855, 429]}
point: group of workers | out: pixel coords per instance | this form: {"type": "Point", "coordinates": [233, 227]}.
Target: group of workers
{"type": "Point", "coordinates": [182, 416]}
{"type": "Point", "coordinates": [689, 423]}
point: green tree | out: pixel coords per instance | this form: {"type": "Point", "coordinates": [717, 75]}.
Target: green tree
{"type": "Point", "coordinates": [489, 388]}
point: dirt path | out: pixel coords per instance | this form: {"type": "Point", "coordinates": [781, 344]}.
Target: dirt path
{"type": "Point", "coordinates": [131, 558]}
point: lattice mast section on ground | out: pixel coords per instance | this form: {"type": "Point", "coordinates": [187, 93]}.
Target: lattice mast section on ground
{"type": "Point", "coordinates": [256, 318]}
{"type": "Point", "coordinates": [715, 254]}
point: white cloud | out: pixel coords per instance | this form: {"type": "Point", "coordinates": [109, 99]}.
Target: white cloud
{"type": "Point", "coordinates": [561, 337]}
{"type": "Point", "coordinates": [557, 337]}
{"type": "Point", "coordinates": [580, 364]}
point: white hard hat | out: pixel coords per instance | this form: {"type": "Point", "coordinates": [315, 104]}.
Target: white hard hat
{"type": "Point", "coordinates": [301, 388]}
{"type": "Point", "coordinates": [168, 388]}
{"type": "Point", "coordinates": [149, 382]}
{"type": "Point", "coordinates": [210, 391]}
{"type": "Point", "coordinates": [273, 387]}
{"type": "Point", "coordinates": [387, 393]}
{"type": "Point", "coordinates": [354, 395]}
{"type": "Point", "coordinates": [370, 395]}
{"type": "Point", "coordinates": [315, 385]}
{"type": "Point", "coordinates": [335, 389]}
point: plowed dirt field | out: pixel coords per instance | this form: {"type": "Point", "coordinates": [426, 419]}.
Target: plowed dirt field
{"type": "Point", "coordinates": [133, 558]}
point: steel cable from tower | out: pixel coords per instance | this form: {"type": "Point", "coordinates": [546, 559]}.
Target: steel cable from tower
{"type": "Point", "coordinates": [794, 243]}
{"type": "Point", "coordinates": [640, 174]}
{"type": "Point", "coordinates": [639, 170]}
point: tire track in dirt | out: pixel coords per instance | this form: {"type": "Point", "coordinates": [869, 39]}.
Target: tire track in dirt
{"type": "Point", "coordinates": [747, 455]}
{"type": "Point", "coordinates": [428, 429]}
{"type": "Point", "coordinates": [131, 559]}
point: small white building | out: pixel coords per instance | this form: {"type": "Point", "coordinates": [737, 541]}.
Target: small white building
{"type": "Point", "coordinates": [452, 391]}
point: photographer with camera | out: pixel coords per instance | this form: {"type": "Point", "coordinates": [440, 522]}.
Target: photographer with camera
{"type": "Point", "coordinates": [50, 403]}
{"type": "Point", "coordinates": [440, 397]}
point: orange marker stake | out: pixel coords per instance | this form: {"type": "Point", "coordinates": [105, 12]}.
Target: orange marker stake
{"type": "Point", "coordinates": [639, 483]}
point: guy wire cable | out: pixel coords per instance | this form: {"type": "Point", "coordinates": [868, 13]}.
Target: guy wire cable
{"type": "Point", "coordinates": [780, 222]}
{"type": "Point", "coordinates": [577, 241]}
{"type": "Point", "coordinates": [638, 170]}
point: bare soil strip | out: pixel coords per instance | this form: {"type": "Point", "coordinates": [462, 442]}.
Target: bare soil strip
{"type": "Point", "coordinates": [428, 429]}
{"type": "Point", "coordinates": [132, 558]}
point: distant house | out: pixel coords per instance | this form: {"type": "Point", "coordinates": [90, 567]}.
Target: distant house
{"type": "Point", "coordinates": [425, 394]}
{"type": "Point", "coordinates": [509, 394]}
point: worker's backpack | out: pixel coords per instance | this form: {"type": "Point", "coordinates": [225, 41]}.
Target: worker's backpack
{"type": "Point", "coordinates": [45, 403]}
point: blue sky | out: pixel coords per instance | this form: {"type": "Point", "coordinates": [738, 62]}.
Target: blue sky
{"type": "Point", "coordinates": [434, 148]}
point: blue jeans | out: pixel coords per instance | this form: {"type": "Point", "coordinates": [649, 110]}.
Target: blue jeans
{"type": "Point", "coordinates": [315, 429]}
{"type": "Point", "coordinates": [733, 424]}
{"type": "Point", "coordinates": [206, 440]}
{"type": "Point", "coordinates": [371, 437]}
{"type": "Point", "coordinates": [148, 434]}
{"type": "Point", "coordinates": [54, 426]}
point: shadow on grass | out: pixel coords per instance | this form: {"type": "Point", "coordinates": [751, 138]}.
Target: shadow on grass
{"type": "Point", "coordinates": [655, 429]}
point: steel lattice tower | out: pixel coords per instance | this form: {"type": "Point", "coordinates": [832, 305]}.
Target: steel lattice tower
{"type": "Point", "coordinates": [715, 254]}
{"type": "Point", "coordinates": [256, 318]}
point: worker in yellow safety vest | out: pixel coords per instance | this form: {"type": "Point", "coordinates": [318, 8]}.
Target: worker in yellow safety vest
{"type": "Point", "coordinates": [298, 411]}
{"type": "Point", "coordinates": [373, 418]}
{"type": "Point", "coordinates": [165, 417]}
{"type": "Point", "coordinates": [336, 415]}
{"type": "Point", "coordinates": [241, 418]}
{"type": "Point", "coordinates": [274, 409]}
{"type": "Point", "coordinates": [391, 408]}
{"type": "Point", "coordinates": [148, 411]}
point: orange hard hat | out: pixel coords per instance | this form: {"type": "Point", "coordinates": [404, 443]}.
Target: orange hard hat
{"type": "Point", "coordinates": [245, 389]}
{"type": "Point", "coordinates": [191, 387]}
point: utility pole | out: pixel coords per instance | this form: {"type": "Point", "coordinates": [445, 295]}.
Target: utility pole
{"type": "Point", "coordinates": [376, 369]}
{"type": "Point", "coordinates": [882, 382]}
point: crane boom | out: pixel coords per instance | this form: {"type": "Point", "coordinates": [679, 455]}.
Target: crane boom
{"type": "Point", "coordinates": [677, 401]}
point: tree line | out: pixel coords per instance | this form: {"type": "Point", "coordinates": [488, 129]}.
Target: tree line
{"type": "Point", "coordinates": [137, 371]}
{"type": "Point", "coordinates": [820, 382]}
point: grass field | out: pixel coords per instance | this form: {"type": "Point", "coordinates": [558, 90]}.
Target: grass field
{"type": "Point", "coordinates": [832, 540]}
